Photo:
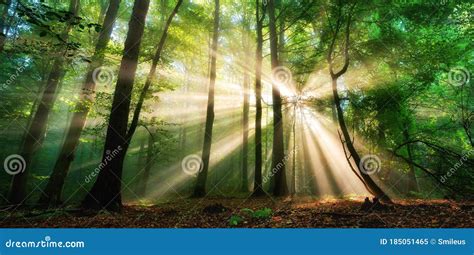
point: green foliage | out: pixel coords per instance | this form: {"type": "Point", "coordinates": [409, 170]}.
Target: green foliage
{"type": "Point", "coordinates": [264, 213]}
{"type": "Point", "coordinates": [235, 220]}
{"type": "Point", "coordinates": [51, 21]}
{"type": "Point", "coordinates": [398, 87]}
{"type": "Point", "coordinates": [248, 214]}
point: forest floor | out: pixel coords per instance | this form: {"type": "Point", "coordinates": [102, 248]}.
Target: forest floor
{"type": "Point", "coordinates": [255, 213]}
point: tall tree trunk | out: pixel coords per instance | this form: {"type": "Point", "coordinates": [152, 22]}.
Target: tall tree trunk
{"type": "Point", "coordinates": [151, 76]}
{"type": "Point", "coordinates": [293, 181]}
{"type": "Point", "coordinates": [278, 157]}
{"type": "Point", "coordinates": [370, 184]}
{"type": "Point", "coordinates": [106, 192]}
{"type": "Point", "coordinates": [118, 136]}
{"type": "Point", "coordinates": [200, 189]}
{"type": "Point", "coordinates": [246, 106]}
{"type": "Point", "coordinates": [373, 187]}
{"type": "Point", "coordinates": [52, 193]}
{"type": "Point", "coordinates": [245, 126]}
{"type": "Point", "coordinates": [258, 188]}
{"type": "Point", "coordinates": [183, 129]}
{"type": "Point", "coordinates": [37, 130]}
{"type": "Point", "coordinates": [281, 32]}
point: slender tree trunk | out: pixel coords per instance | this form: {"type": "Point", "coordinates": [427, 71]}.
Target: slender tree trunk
{"type": "Point", "coordinates": [281, 32]}
{"type": "Point", "coordinates": [278, 157]}
{"type": "Point", "coordinates": [258, 188]}
{"type": "Point", "coordinates": [183, 130]}
{"type": "Point", "coordinates": [106, 192]}
{"type": "Point", "coordinates": [301, 181]}
{"type": "Point", "coordinates": [370, 184]}
{"type": "Point", "coordinates": [246, 106]}
{"type": "Point", "coordinates": [37, 130]}
{"type": "Point", "coordinates": [151, 76]}
{"type": "Point", "coordinates": [245, 124]}
{"type": "Point", "coordinates": [141, 100]}
{"type": "Point", "coordinates": [200, 189]}
{"type": "Point", "coordinates": [373, 187]}
{"type": "Point", "coordinates": [52, 193]}
{"type": "Point", "coordinates": [293, 181]}
{"type": "Point", "coordinates": [118, 135]}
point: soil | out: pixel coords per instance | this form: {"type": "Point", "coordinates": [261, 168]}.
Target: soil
{"type": "Point", "coordinates": [253, 213]}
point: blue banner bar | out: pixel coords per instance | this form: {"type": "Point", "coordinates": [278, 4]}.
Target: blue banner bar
{"type": "Point", "coordinates": [237, 241]}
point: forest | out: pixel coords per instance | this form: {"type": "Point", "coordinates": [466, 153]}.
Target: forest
{"type": "Point", "coordinates": [221, 113]}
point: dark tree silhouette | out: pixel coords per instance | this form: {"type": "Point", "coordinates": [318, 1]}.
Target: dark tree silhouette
{"type": "Point", "coordinates": [369, 183]}
{"type": "Point", "coordinates": [52, 193]}
{"type": "Point", "coordinates": [35, 133]}
{"type": "Point", "coordinates": [278, 152]}
{"type": "Point", "coordinates": [258, 185]}
{"type": "Point", "coordinates": [200, 189]}
{"type": "Point", "coordinates": [106, 192]}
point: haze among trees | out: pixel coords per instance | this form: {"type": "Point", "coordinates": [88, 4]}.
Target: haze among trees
{"type": "Point", "coordinates": [126, 104]}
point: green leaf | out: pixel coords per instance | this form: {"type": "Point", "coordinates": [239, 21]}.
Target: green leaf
{"type": "Point", "coordinates": [235, 220]}
{"type": "Point", "coordinates": [263, 213]}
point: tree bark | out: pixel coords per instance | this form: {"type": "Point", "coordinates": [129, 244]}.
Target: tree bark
{"type": "Point", "coordinates": [200, 189]}
{"type": "Point", "coordinates": [245, 126]}
{"type": "Point", "coordinates": [258, 188]}
{"type": "Point", "coordinates": [37, 130]}
{"type": "Point", "coordinates": [110, 178]}
{"type": "Point", "coordinates": [183, 129]}
{"type": "Point", "coordinates": [293, 165]}
{"type": "Point", "coordinates": [52, 192]}
{"type": "Point", "coordinates": [246, 105]}
{"type": "Point", "coordinates": [151, 76]}
{"type": "Point", "coordinates": [106, 192]}
{"type": "Point", "coordinates": [370, 184]}
{"type": "Point", "coordinates": [278, 157]}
